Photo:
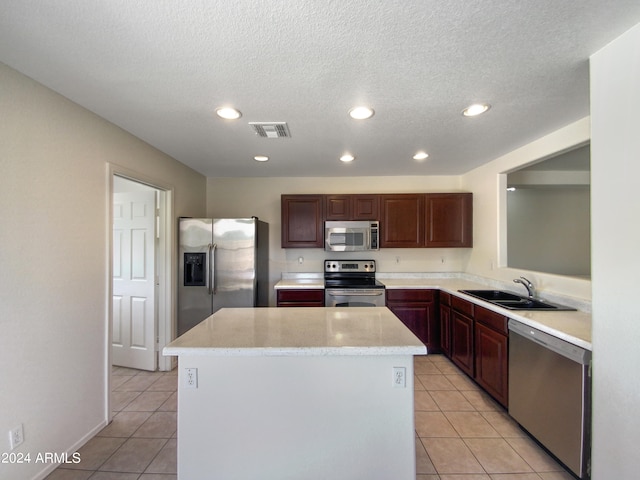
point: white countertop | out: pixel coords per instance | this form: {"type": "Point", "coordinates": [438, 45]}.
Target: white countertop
{"type": "Point", "coordinates": [317, 331]}
{"type": "Point", "coordinates": [571, 326]}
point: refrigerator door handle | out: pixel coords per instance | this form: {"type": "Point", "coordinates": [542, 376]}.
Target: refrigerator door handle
{"type": "Point", "coordinates": [210, 259]}
{"type": "Point", "coordinates": [212, 269]}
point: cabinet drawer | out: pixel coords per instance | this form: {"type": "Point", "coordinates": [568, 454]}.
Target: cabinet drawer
{"type": "Point", "coordinates": [491, 319]}
{"type": "Point", "coordinates": [410, 295]}
{"type": "Point", "coordinates": [303, 295]}
{"type": "Point", "coordinates": [462, 305]}
{"type": "Point", "coordinates": [445, 298]}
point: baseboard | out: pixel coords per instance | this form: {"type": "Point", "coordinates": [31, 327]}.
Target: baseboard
{"type": "Point", "coordinates": [74, 448]}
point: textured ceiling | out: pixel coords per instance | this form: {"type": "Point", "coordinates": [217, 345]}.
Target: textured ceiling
{"type": "Point", "coordinates": [159, 68]}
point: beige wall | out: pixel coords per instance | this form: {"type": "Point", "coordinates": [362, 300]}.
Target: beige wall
{"type": "Point", "coordinates": [53, 256]}
{"type": "Point", "coordinates": [489, 206]}
{"type": "Point", "coordinates": [615, 149]}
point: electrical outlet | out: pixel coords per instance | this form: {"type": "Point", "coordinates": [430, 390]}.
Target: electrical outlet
{"type": "Point", "coordinates": [16, 436]}
{"type": "Point", "coordinates": [191, 378]}
{"type": "Point", "coordinates": [399, 377]}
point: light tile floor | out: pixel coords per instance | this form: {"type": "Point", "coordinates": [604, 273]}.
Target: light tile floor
{"type": "Point", "coordinates": [140, 442]}
{"type": "Point", "coordinates": [461, 433]}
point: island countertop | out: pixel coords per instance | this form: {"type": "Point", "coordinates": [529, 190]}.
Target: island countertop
{"type": "Point", "coordinates": [304, 331]}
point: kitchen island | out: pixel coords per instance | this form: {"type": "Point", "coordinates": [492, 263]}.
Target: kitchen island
{"type": "Point", "coordinates": [290, 393]}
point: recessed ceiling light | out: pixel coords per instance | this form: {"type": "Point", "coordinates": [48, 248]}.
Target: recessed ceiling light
{"type": "Point", "coordinates": [420, 155]}
{"type": "Point", "coordinates": [228, 113]}
{"type": "Point", "coordinates": [361, 113]}
{"type": "Point", "coordinates": [261, 158]}
{"type": "Point", "coordinates": [347, 157]}
{"type": "Point", "coordinates": [475, 109]}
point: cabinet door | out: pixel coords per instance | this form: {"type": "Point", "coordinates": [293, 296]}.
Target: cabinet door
{"type": "Point", "coordinates": [492, 362]}
{"type": "Point", "coordinates": [415, 317]}
{"type": "Point", "coordinates": [416, 308]}
{"type": "Point", "coordinates": [366, 207]}
{"type": "Point", "coordinates": [449, 220]}
{"type": "Point", "coordinates": [338, 207]}
{"type": "Point", "coordinates": [352, 207]}
{"type": "Point", "coordinates": [402, 221]}
{"type": "Point", "coordinates": [462, 342]}
{"type": "Point", "coordinates": [302, 221]}
{"type": "Point", "coordinates": [445, 330]}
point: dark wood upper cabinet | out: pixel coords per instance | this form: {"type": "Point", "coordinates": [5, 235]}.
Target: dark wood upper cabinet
{"type": "Point", "coordinates": [402, 220]}
{"type": "Point", "coordinates": [351, 207]}
{"type": "Point", "coordinates": [338, 207]}
{"type": "Point", "coordinates": [449, 220]}
{"type": "Point", "coordinates": [407, 220]}
{"type": "Point", "coordinates": [366, 207]}
{"type": "Point", "coordinates": [302, 221]}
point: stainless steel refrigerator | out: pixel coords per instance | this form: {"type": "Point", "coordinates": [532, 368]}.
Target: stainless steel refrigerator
{"type": "Point", "coordinates": [223, 262]}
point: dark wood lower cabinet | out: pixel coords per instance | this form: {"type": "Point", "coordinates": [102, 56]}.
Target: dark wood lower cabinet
{"type": "Point", "coordinates": [491, 362]}
{"type": "Point", "coordinates": [462, 342]}
{"type": "Point", "coordinates": [417, 310]}
{"type": "Point", "coordinates": [445, 323]}
{"type": "Point", "coordinates": [477, 343]}
{"type": "Point", "coordinates": [300, 298]}
{"type": "Point", "coordinates": [491, 354]}
{"type": "Point", "coordinates": [445, 330]}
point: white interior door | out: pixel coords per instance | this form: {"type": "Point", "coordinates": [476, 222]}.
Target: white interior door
{"type": "Point", "coordinates": [134, 280]}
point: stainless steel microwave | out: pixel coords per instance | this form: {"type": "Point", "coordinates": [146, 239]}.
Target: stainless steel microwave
{"type": "Point", "coordinates": [356, 236]}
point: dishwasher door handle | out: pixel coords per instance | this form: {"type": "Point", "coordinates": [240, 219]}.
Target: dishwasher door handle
{"type": "Point", "coordinates": [555, 344]}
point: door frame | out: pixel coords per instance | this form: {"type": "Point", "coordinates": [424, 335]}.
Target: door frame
{"type": "Point", "coordinates": [165, 270]}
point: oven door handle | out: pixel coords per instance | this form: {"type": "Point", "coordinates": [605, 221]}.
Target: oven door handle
{"type": "Point", "coordinates": [352, 293]}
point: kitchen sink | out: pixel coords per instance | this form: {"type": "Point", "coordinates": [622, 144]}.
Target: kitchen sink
{"type": "Point", "coordinates": [512, 301]}
{"type": "Point", "coordinates": [493, 295]}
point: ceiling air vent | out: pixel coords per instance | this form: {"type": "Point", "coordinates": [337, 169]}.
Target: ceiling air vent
{"type": "Point", "coordinates": [271, 129]}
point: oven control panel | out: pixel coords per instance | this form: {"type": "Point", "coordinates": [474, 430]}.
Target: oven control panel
{"type": "Point", "coordinates": [349, 266]}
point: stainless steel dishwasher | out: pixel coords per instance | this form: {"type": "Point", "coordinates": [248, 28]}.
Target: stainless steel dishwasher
{"type": "Point", "coordinates": [550, 394]}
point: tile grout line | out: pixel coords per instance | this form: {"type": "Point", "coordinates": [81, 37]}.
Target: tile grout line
{"type": "Point", "coordinates": [464, 439]}
{"type": "Point", "coordinates": [131, 436]}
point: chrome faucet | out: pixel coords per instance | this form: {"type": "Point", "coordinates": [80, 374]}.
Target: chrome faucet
{"type": "Point", "coordinates": [528, 285]}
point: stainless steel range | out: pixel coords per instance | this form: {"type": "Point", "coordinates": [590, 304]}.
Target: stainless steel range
{"type": "Point", "coordinates": [352, 283]}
